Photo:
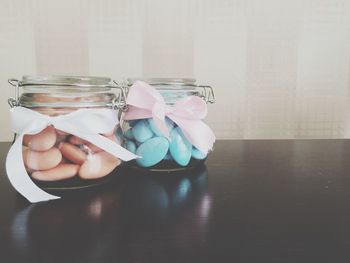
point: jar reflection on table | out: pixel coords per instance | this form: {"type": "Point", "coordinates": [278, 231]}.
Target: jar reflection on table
{"type": "Point", "coordinates": [164, 196]}
{"type": "Point", "coordinates": [167, 205]}
{"type": "Point", "coordinates": [75, 222]}
{"type": "Point", "coordinates": [107, 220]}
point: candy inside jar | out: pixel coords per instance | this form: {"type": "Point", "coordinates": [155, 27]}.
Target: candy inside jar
{"type": "Point", "coordinates": [163, 123]}
{"type": "Point", "coordinates": [54, 155]}
{"type": "Point", "coordinates": [143, 138]}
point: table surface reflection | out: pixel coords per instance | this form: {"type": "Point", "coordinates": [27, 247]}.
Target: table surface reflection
{"type": "Point", "coordinates": [254, 201]}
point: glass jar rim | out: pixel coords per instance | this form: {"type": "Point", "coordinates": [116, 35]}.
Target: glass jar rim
{"type": "Point", "coordinates": [165, 81]}
{"type": "Point", "coordinates": [61, 80]}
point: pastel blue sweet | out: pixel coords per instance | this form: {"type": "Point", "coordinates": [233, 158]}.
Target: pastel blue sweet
{"type": "Point", "coordinates": [141, 131]}
{"type": "Point", "coordinates": [152, 151]}
{"type": "Point", "coordinates": [130, 146]}
{"type": "Point", "coordinates": [197, 154]}
{"type": "Point", "coordinates": [169, 124]}
{"type": "Point", "coordinates": [180, 148]}
{"type": "Point", "coordinates": [129, 135]}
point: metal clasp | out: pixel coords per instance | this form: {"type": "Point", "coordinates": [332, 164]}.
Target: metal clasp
{"type": "Point", "coordinates": [207, 93]}
{"type": "Point", "coordinates": [120, 101]}
{"type": "Point", "coordinates": [14, 102]}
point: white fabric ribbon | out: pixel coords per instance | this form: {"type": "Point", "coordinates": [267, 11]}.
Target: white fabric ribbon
{"type": "Point", "coordinates": [84, 123]}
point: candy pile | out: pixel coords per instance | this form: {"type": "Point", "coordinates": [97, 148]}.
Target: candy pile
{"type": "Point", "coordinates": [146, 140]}
{"type": "Point", "coordinates": [53, 155]}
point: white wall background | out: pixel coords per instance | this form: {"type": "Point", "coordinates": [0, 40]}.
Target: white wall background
{"type": "Point", "coordinates": [280, 68]}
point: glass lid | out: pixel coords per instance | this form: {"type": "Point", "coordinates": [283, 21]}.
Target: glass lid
{"type": "Point", "coordinates": [165, 81]}
{"type": "Point", "coordinates": [63, 91]}
{"type": "Point", "coordinates": [172, 89]}
{"type": "Point", "coordinates": [80, 81]}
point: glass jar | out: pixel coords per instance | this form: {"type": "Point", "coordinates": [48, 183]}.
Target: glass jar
{"type": "Point", "coordinates": [57, 159]}
{"type": "Point", "coordinates": [141, 136]}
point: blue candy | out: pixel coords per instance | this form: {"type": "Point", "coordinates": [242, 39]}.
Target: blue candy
{"type": "Point", "coordinates": [128, 134]}
{"type": "Point", "coordinates": [169, 124]}
{"type": "Point", "coordinates": [180, 148]}
{"type": "Point", "coordinates": [141, 131]}
{"type": "Point", "coordinates": [152, 151]}
{"type": "Point", "coordinates": [197, 154]}
{"type": "Point", "coordinates": [130, 146]}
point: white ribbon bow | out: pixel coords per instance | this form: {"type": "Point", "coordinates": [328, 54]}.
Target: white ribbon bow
{"type": "Point", "coordinates": [83, 123]}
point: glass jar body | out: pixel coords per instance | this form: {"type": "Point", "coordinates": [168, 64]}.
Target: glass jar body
{"type": "Point", "coordinates": [157, 151]}
{"type": "Point", "coordinates": [55, 158]}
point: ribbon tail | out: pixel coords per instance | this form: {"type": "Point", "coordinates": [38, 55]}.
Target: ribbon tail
{"type": "Point", "coordinates": [19, 178]}
{"type": "Point", "coordinates": [196, 132]}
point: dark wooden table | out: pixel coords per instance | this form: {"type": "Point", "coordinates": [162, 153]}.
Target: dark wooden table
{"type": "Point", "coordinates": [255, 201]}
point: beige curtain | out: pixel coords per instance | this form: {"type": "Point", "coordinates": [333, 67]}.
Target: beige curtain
{"type": "Point", "coordinates": [280, 68]}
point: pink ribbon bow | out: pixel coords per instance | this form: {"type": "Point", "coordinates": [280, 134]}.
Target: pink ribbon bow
{"type": "Point", "coordinates": [144, 101]}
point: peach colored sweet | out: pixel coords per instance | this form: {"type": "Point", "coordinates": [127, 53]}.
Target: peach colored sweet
{"type": "Point", "coordinates": [60, 172]}
{"type": "Point", "coordinates": [42, 141]}
{"type": "Point", "coordinates": [76, 140]}
{"type": "Point", "coordinates": [42, 160]}
{"type": "Point", "coordinates": [59, 132]}
{"type": "Point", "coordinates": [72, 153]}
{"type": "Point", "coordinates": [97, 165]}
